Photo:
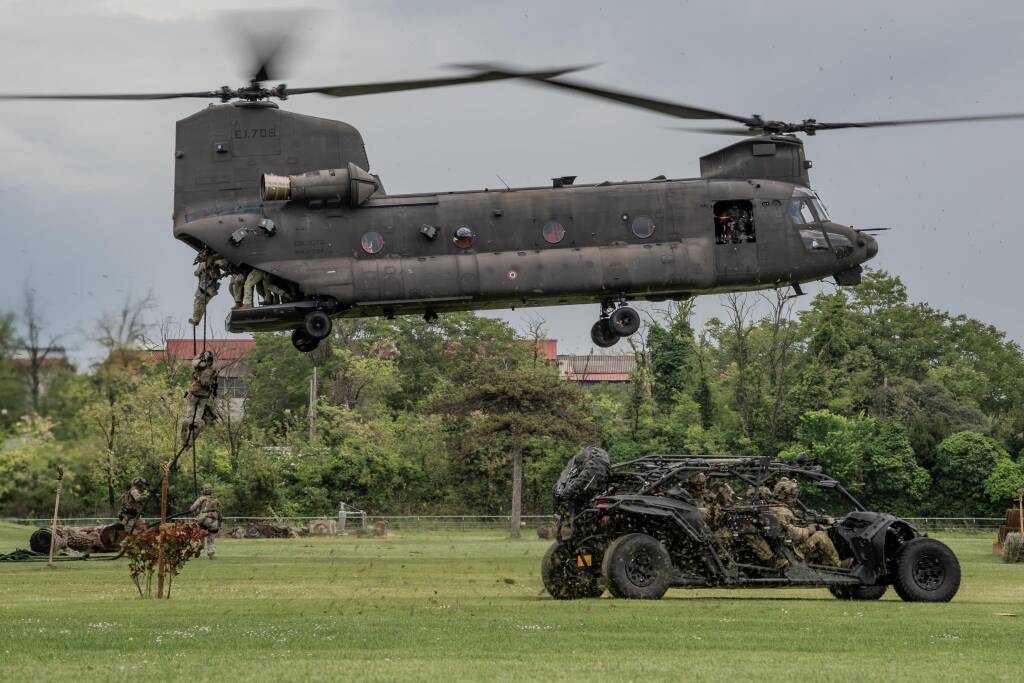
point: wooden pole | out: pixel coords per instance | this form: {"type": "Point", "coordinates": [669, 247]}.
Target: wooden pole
{"type": "Point", "coordinates": [56, 508]}
{"type": "Point", "coordinates": [165, 469]}
{"type": "Point", "coordinates": [1020, 510]}
{"type": "Point", "coordinates": [311, 413]}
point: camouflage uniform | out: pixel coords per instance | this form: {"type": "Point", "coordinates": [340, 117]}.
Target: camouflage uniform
{"type": "Point", "coordinates": [808, 541]}
{"type": "Point", "coordinates": [209, 272]}
{"type": "Point", "coordinates": [198, 406]}
{"type": "Point", "coordinates": [237, 286]}
{"type": "Point", "coordinates": [206, 508]}
{"type": "Point", "coordinates": [131, 504]}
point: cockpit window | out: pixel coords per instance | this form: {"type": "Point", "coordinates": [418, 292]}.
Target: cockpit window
{"type": "Point", "coordinates": [734, 222]}
{"type": "Point", "coordinates": [800, 212]}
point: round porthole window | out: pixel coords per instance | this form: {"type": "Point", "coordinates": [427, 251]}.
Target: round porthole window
{"type": "Point", "coordinates": [372, 242]}
{"type": "Point", "coordinates": [553, 232]}
{"type": "Point", "coordinates": [643, 226]}
{"type": "Point", "coordinates": [463, 237]}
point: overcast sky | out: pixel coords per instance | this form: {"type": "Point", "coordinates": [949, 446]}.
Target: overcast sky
{"type": "Point", "coordinates": [86, 189]}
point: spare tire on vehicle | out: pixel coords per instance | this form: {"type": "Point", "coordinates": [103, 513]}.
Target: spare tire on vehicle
{"type": "Point", "coordinates": [585, 476]}
{"type": "Point", "coordinates": [858, 592]}
{"type": "Point", "coordinates": [563, 576]}
{"type": "Point", "coordinates": [926, 571]}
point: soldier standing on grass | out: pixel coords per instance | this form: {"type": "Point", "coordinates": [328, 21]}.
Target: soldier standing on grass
{"type": "Point", "coordinates": [131, 504]}
{"type": "Point", "coordinates": [206, 508]}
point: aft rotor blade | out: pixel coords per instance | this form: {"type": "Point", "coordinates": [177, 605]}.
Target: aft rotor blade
{"type": "Point", "coordinates": [120, 96]}
{"type": "Point", "coordinates": [676, 109]}
{"type": "Point", "coordinates": [268, 36]}
{"type": "Point", "coordinates": [419, 84]}
{"type": "Point", "coordinates": [917, 122]}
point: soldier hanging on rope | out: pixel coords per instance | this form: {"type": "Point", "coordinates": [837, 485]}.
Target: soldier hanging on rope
{"type": "Point", "coordinates": [210, 268]}
{"type": "Point", "coordinates": [199, 408]}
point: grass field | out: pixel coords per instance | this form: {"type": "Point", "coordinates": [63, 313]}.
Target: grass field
{"type": "Point", "coordinates": [469, 606]}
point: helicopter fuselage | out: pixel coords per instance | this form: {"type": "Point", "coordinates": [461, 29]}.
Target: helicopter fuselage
{"type": "Point", "coordinates": [563, 244]}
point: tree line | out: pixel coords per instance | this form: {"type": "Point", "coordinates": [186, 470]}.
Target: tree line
{"type": "Point", "coordinates": [916, 411]}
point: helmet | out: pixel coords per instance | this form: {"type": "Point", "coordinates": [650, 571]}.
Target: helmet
{"type": "Point", "coordinates": [139, 481]}
{"type": "Point", "coordinates": [205, 358]}
{"type": "Point", "coordinates": [699, 480]}
{"type": "Point", "coordinates": [207, 489]}
{"type": "Point", "coordinates": [785, 488]}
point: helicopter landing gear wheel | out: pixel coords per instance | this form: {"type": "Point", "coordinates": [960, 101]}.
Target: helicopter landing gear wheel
{"type": "Point", "coordinates": [317, 325]}
{"type": "Point", "coordinates": [302, 341]}
{"type": "Point", "coordinates": [602, 335]}
{"type": "Point", "coordinates": [624, 321]}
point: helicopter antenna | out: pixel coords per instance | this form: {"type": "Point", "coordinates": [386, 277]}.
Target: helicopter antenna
{"type": "Point", "coordinates": [504, 183]}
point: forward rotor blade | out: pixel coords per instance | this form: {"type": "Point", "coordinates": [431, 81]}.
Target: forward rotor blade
{"type": "Point", "coordinates": [740, 132]}
{"type": "Point", "coordinates": [419, 84]}
{"type": "Point", "coordinates": [140, 96]}
{"type": "Point", "coordinates": [918, 122]}
{"type": "Point", "coordinates": [682, 111]}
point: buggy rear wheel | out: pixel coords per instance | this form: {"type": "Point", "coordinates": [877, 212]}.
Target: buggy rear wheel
{"type": "Point", "coordinates": [637, 567]}
{"type": "Point", "coordinates": [926, 571]}
{"type": "Point", "coordinates": [564, 579]}
{"type": "Point", "coordinates": [857, 592]}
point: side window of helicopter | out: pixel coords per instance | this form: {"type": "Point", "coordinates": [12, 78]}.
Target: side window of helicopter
{"type": "Point", "coordinates": [803, 216]}
{"type": "Point", "coordinates": [734, 222]}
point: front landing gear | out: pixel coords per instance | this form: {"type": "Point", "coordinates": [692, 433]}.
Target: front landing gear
{"type": "Point", "coordinates": [614, 324]}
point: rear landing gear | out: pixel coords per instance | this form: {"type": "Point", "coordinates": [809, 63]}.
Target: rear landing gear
{"type": "Point", "coordinates": [614, 324]}
{"type": "Point", "coordinates": [316, 326]}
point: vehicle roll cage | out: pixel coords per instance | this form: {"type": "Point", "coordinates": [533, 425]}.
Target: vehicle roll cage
{"type": "Point", "coordinates": [656, 470]}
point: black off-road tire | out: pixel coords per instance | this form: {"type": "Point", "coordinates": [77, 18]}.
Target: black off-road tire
{"type": "Point", "coordinates": [303, 342]}
{"type": "Point", "coordinates": [624, 321]}
{"type": "Point", "coordinates": [602, 335]}
{"type": "Point", "coordinates": [926, 571]}
{"type": "Point", "coordinates": [563, 579]}
{"type": "Point", "coordinates": [637, 567]}
{"type": "Point", "coordinates": [317, 325]}
{"type": "Point", "coordinates": [858, 592]}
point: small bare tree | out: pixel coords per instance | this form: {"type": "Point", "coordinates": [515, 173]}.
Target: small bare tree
{"type": "Point", "coordinates": [31, 342]}
{"type": "Point", "coordinates": [536, 332]}
{"type": "Point", "coordinates": [117, 332]}
{"type": "Point", "coordinates": [739, 312]}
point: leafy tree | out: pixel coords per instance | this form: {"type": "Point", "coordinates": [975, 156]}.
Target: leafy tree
{"type": "Point", "coordinates": [871, 458]}
{"type": "Point", "coordinates": [498, 411]}
{"type": "Point", "coordinates": [1006, 481]}
{"type": "Point", "coordinates": [963, 464]}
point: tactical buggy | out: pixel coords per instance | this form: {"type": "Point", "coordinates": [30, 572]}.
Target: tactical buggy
{"type": "Point", "coordinates": [638, 528]}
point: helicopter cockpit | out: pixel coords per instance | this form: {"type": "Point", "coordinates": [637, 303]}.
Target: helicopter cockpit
{"type": "Point", "coordinates": [810, 216]}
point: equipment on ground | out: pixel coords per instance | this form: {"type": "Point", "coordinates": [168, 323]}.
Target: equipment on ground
{"type": "Point", "coordinates": [292, 197]}
{"type": "Point", "coordinates": [675, 521]}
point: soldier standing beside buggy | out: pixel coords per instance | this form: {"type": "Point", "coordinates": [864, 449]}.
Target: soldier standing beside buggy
{"type": "Point", "coordinates": [206, 509]}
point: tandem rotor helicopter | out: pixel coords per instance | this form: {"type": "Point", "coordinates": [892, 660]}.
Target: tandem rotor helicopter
{"type": "Point", "coordinates": [293, 196]}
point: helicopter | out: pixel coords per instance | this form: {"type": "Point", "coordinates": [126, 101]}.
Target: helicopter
{"type": "Point", "coordinates": [293, 196]}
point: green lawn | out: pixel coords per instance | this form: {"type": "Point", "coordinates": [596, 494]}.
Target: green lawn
{"type": "Point", "coordinates": [469, 606]}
